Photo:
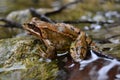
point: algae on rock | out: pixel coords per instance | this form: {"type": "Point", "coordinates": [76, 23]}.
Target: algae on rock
{"type": "Point", "coordinates": [24, 52]}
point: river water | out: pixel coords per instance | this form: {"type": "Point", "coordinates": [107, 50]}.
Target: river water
{"type": "Point", "coordinates": [95, 68]}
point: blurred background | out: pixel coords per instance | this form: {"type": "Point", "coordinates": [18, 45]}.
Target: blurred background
{"type": "Point", "coordinates": [6, 6]}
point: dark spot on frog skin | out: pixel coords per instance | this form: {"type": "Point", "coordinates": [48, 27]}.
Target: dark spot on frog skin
{"type": "Point", "coordinates": [72, 28]}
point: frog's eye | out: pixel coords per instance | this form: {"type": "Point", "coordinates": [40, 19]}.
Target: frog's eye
{"type": "Point", "coordinates": [30, 25]}
{"type": "Point", "coordinates": [33, 27]}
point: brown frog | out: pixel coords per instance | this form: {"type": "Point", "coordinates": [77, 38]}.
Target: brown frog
{"type": "Point", "coordinates": [60, 37]}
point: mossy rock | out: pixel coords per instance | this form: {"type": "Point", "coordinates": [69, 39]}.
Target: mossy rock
{"type": "Point", "coordinates": [34, 70]}
{"type": "Point", "coordinates": [20, 59]}
{"type": "Point", "coordinates": [17, 47]}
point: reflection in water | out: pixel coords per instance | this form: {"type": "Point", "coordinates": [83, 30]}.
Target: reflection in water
{"type": "Point", "coordinates": [96, 68]}
{"type": "Point", "coordinates": [104, 70]}
{"type": "Point", "coordinates": [85, 62]}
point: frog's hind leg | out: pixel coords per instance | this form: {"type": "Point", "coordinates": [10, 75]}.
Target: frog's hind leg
{"type": "Point", "coordinates": [79, 47]}
{"type": "Point", "coordinates": [92, 45]}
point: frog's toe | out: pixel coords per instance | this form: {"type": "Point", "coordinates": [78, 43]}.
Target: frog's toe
{"type": "Point", "coordinates": [78, 60]}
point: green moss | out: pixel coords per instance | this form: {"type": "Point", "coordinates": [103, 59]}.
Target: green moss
{"type": "Point", "coordinates": [35, 70]}
{"type": "Point", "coordinates": [40, 70]}
{"type": "Point", "coordinates": [26, 51]}
{"type": "Point", "coordinates": [19, 48]}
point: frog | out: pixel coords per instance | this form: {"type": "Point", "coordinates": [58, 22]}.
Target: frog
{"type": "Point", "coordinates": [60, 37]}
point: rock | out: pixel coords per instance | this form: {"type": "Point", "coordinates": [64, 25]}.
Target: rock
{"type": "Point", "coordinates": [9, 32]}
{"type": "Point", "coordinates": [15, 46]}
{"type": "Point", "coordinates": [22, 16]}
{"type": "Point", "coordinates": [19, 60]}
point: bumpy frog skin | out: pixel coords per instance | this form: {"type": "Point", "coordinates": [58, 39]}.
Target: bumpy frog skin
{"type": "Point", "coordinates": [60, 37]}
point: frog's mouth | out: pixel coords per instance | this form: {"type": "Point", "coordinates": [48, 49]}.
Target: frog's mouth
{"type": "Point", "coordinates": [32, 29]}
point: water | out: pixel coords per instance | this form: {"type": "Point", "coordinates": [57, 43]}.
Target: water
{"type": "Point", "coordinates": [103, 72]}
{"type": "Point", "coordinates": [86, 62]}
{"type": "Point", "coordinates": [96, 68]}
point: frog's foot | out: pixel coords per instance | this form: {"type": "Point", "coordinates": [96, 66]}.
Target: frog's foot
{"type": "Point", "coordinates": [42, 53]}
{"type": "Point", "coordinates": [79, 47]}
{"type": "Point", "coordinates": [92, 45]}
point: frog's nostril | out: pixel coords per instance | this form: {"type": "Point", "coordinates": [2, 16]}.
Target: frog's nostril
{"type": "Point", "coordinates": [24, 24]}
{"type": "Point", "coordinates": [35, 19]}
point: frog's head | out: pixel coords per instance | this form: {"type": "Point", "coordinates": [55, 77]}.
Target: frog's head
{"type": "Point", "coordinates": [33, 27]}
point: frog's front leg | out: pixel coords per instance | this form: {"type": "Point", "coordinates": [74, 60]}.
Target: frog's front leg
{"type": "Point", "coordinates": [50, 52]}
{"type": "Point", "coordinates": [79, 47]}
